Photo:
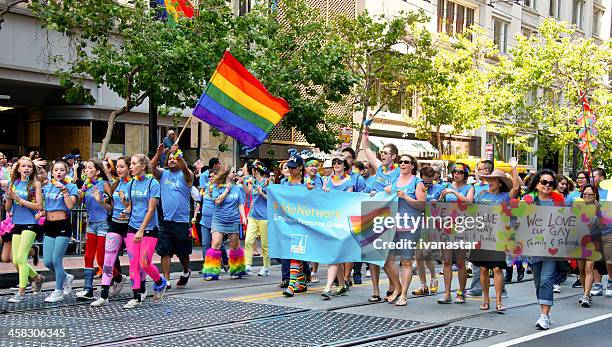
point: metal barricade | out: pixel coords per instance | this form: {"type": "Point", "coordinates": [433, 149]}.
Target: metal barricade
{"type": "Point", "coordinates": [78, 217]}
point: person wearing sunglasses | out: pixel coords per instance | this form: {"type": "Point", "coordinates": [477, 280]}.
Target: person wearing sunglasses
{"type": "Point", "coordinates": [411, 203]}
{"type": "Point", "coordinates": [541, 191]}
{"type": "Point", "coordinates": [387, 172]}
{"type": "Point", "coordinates": [424, 257]}
{"type": "Point", "coordinates": [340, 180]}
{"type": "Point", "coordinates": [500, 190]}
{"type": "Point", "coordinates": [459, 190]}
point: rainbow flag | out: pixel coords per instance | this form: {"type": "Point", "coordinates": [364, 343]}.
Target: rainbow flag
{"type": "Point", "coordinates": [237, 104]}
{"type": "Point", "coordinates": [176, 9]}
{"type": "Point", "coordinates": [362, 227]}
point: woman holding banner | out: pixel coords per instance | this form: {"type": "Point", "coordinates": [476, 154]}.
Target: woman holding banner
{"type": "Point", "coordinates": [590, 196]}
{"type": "Point", "coordinates": [458, 191]}
{"type": "Point", "coordinates": [411, 193]}
{"type": "Point", "coordinates": [541, 192]}
{"type": "Point", "coordinates": [227, 214]}
{"type": "Point", "coordinates": [387, 172]}
{"type": "Point", "coordinates": [257, 225]}
{"type": "Point", "coordinates": [340, 180]}
{"type": "Point", "coordinates": [293, 270]}
{"type": "Point", "coordinates": [501, 190]}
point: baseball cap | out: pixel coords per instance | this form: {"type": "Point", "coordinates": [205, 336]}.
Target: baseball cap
{"type": "Point", "coordinates": [295, 161]}
{"type": "Point", "coordinates": [327, 164]}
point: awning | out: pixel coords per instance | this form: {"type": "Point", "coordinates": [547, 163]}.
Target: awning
{"type": "Point", "coordinates": [420, 149]}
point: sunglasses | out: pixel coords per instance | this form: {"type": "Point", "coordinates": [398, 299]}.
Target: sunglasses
{"type": "Point", "coordinates": [547, 183]}
{"type": "Point", "coordinates": [384, 153]}
{"type": "Point", "coordinates": [588, 194]}
{"type": "Point", "coordinates": [458, 172]}
{"type": "Point", "coordinates": [407, 162]}
{"type": "Point", "coordinates": [427, 183]}
{"type": "Point", "coordinates": [337, 161]}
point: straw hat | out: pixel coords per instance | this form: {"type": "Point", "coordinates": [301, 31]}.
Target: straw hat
{"type": "Point", "coordinates": [499, 174]}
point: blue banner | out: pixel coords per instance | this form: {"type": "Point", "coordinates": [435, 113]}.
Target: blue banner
{"type": "Point", "coordinates": [327, 227]}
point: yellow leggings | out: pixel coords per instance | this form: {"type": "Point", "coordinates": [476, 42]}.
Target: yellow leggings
{"type": "Point", "coordinates": [21, 245]}
{"type": "Point", "coordinates": [256, 228]}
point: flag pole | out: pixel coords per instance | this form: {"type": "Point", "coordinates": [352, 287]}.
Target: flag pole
{"type": "Point", "coordinates": [205, 90]}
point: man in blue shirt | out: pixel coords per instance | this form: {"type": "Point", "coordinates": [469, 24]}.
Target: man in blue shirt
{"type": "Point", "coordinates": [174, 229]}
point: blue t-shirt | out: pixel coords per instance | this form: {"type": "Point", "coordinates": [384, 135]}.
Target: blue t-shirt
{"type": "Point", "coordinates": [487, 198]}
{"type": "Point", "coordinates": [140, 194]}
{"type": "Point", "coordinates": [345, 186]}
{"type": "Point", "coordinates": [571, 197]}
{"type": "Point", "coordinates": [368, 183]}
{"type": "Point", "coordinates": [434, 191]}
{"type": "Point", "coordinates": [175, 195]}
{"type": "Point", "coordinates": [95, 212]}
{"type": "Point", "coordinates": [384, 179]}
{"type": "Point", "coordinates": [463, 191]}
{"type": "Point", "coordinates": [208, 206]}
{"type": "Point", "coordinates": [118, 205]}
{"type": "Point", "coordinates": [285, 181]}
{"type": "Point", "coordinates": [204, 179]}
{"type": "Point", "coordinates": [21, 214]}
{"type": "Point", "coordinates": [410, 190]}
{"type": "Point", "coordinates": [480, 186]}
{"type": "Point", "coordinates": [259, 210]}
{"type": "Point", "coordinates": [54, 199]}
{"type": "Point", "coordinates": [227, 212]}
{"type": "Point", "coordinates": [359, 184]}
{"type": "Point", "coordinates": [317, 181]}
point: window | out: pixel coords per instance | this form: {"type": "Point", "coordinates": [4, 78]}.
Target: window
{"type": "Point", "coordinates": [578, 13]}
{"type": "Point", "coordinates": [555, 9]}
{"type": "Point", "coordinates": [526, 32]}
{"type": "Point", "coordinates": [244, 7]}
{"type": "Point", "coordinates": [530, 3]}
{"type": "Point", "coordinates": [500, 34]}
{"type": "Point", "coordinates": [597, 14]}
{"type": "Point", "coordinates": [453, 18]}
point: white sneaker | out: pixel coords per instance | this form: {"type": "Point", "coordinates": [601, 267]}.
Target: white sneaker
{"type": "Point", "coordinates": [609, 293]}
{"type": "Point", "coordinates": [597, 289]}
{"type": "Point", "coordinates": [17, 298]}
{"type": "Point", "coordinates": [143, 296]}
{"type": "Point", "coordinates": [82, 293]}
{"type": "Point", "coordinates": [132, 303]}
{"type": "Point", "coordinates": [248, 270]}
{"type": "Point", "coordinates": [543, 323]}
{"type": "Point", "coordinates": [99, 302]}
{"type": "Point", "coordinates": [116, 288]}
{"type": "Point", "coordinates": [264, 272]}
{"type": "Point", "coordinates": [556, 288]}
{"type": "Point", "coordinates": [68, 284]}
{"type": "Point", "coordinates": [55, 296]}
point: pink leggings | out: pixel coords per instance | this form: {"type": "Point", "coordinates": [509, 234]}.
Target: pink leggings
{"type": "Point", "coordinates": [141, 257]}
{"type": "Point", "coordinates": [112, 247]}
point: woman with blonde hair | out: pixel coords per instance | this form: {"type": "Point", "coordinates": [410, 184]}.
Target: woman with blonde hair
{"type": "Point", "coordinates": [24, 201]}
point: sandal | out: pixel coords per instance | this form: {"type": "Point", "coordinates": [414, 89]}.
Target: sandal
{"type": "Point", "coordinates": [314, 278]}
{"type": "Point", "coordinates": [460, 298]}
{"type": "Point", "coordinates": [499, 308]}
{"type": "Point", "coordinates": [421, 291]}
{"type": "Point", "coordinates": [393, 297]}
{"type": "Point", "coordinates": [485, 306]}
{"type": "Point", "coordinates": [401, 302]}
{"type": "Point", "coordinates": [445, 300]}
{"type": "Point", "coordinates": [389, 293]}
{"type": "Point", "coordinates": [375, 298]}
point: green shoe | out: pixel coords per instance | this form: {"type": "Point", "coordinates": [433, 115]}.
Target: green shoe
{"type": "Point", "coordinates": [342, 290]}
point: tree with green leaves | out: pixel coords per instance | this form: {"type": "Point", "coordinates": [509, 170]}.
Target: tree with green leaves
{"type": "Point", "coordinates": [551, 69]}
{"type": "Point", "coordinates": [138, 56]}
{"type": "Point", "coordinates": [380, 57]}
{"type": "Point", "coordinates": [298, 56]}
{"type": "Point", "coordinates": [455, 90]}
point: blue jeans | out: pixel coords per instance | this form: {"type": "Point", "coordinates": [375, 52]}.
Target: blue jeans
{"type": "Point", "coordinates": [206, 238]}
{"type": "Point", "coordinates": [543, 279]}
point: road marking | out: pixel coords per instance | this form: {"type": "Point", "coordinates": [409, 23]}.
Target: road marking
{"type": "Point", "coordinates": [552, 331]}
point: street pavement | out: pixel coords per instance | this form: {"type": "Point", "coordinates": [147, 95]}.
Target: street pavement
{"type": "Point", "coordinates": [252, 311]}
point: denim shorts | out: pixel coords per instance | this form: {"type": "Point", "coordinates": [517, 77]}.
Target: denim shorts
{"type": "Point", "coordinates": [98, 228]}
{"type": "Point", "coordinates": [225, 228]}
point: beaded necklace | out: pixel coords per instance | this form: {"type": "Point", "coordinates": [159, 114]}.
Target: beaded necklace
{"type": "Point", "coordinates": [293, 181]}
{"type": "Point", "coordinates": [389, 169]}
{"type": "Point", "coordinates": [339, 178]}
{"type": "Point", "coordinates": [64, 181]}
{"type": "Point", "coordinates": [88, 184]}
{"type": "Point", "coordinates": [142, 177]}
{"type": "Point", "coordinates": [31, 192]}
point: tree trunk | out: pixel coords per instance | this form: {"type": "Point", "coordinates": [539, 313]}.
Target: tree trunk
{"type": "Point", "coordinates": [366, 105]}
{"type": "Point", "coordinates": [439, 140]}
{"type": "Point", "coordinates": [109, 130]}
